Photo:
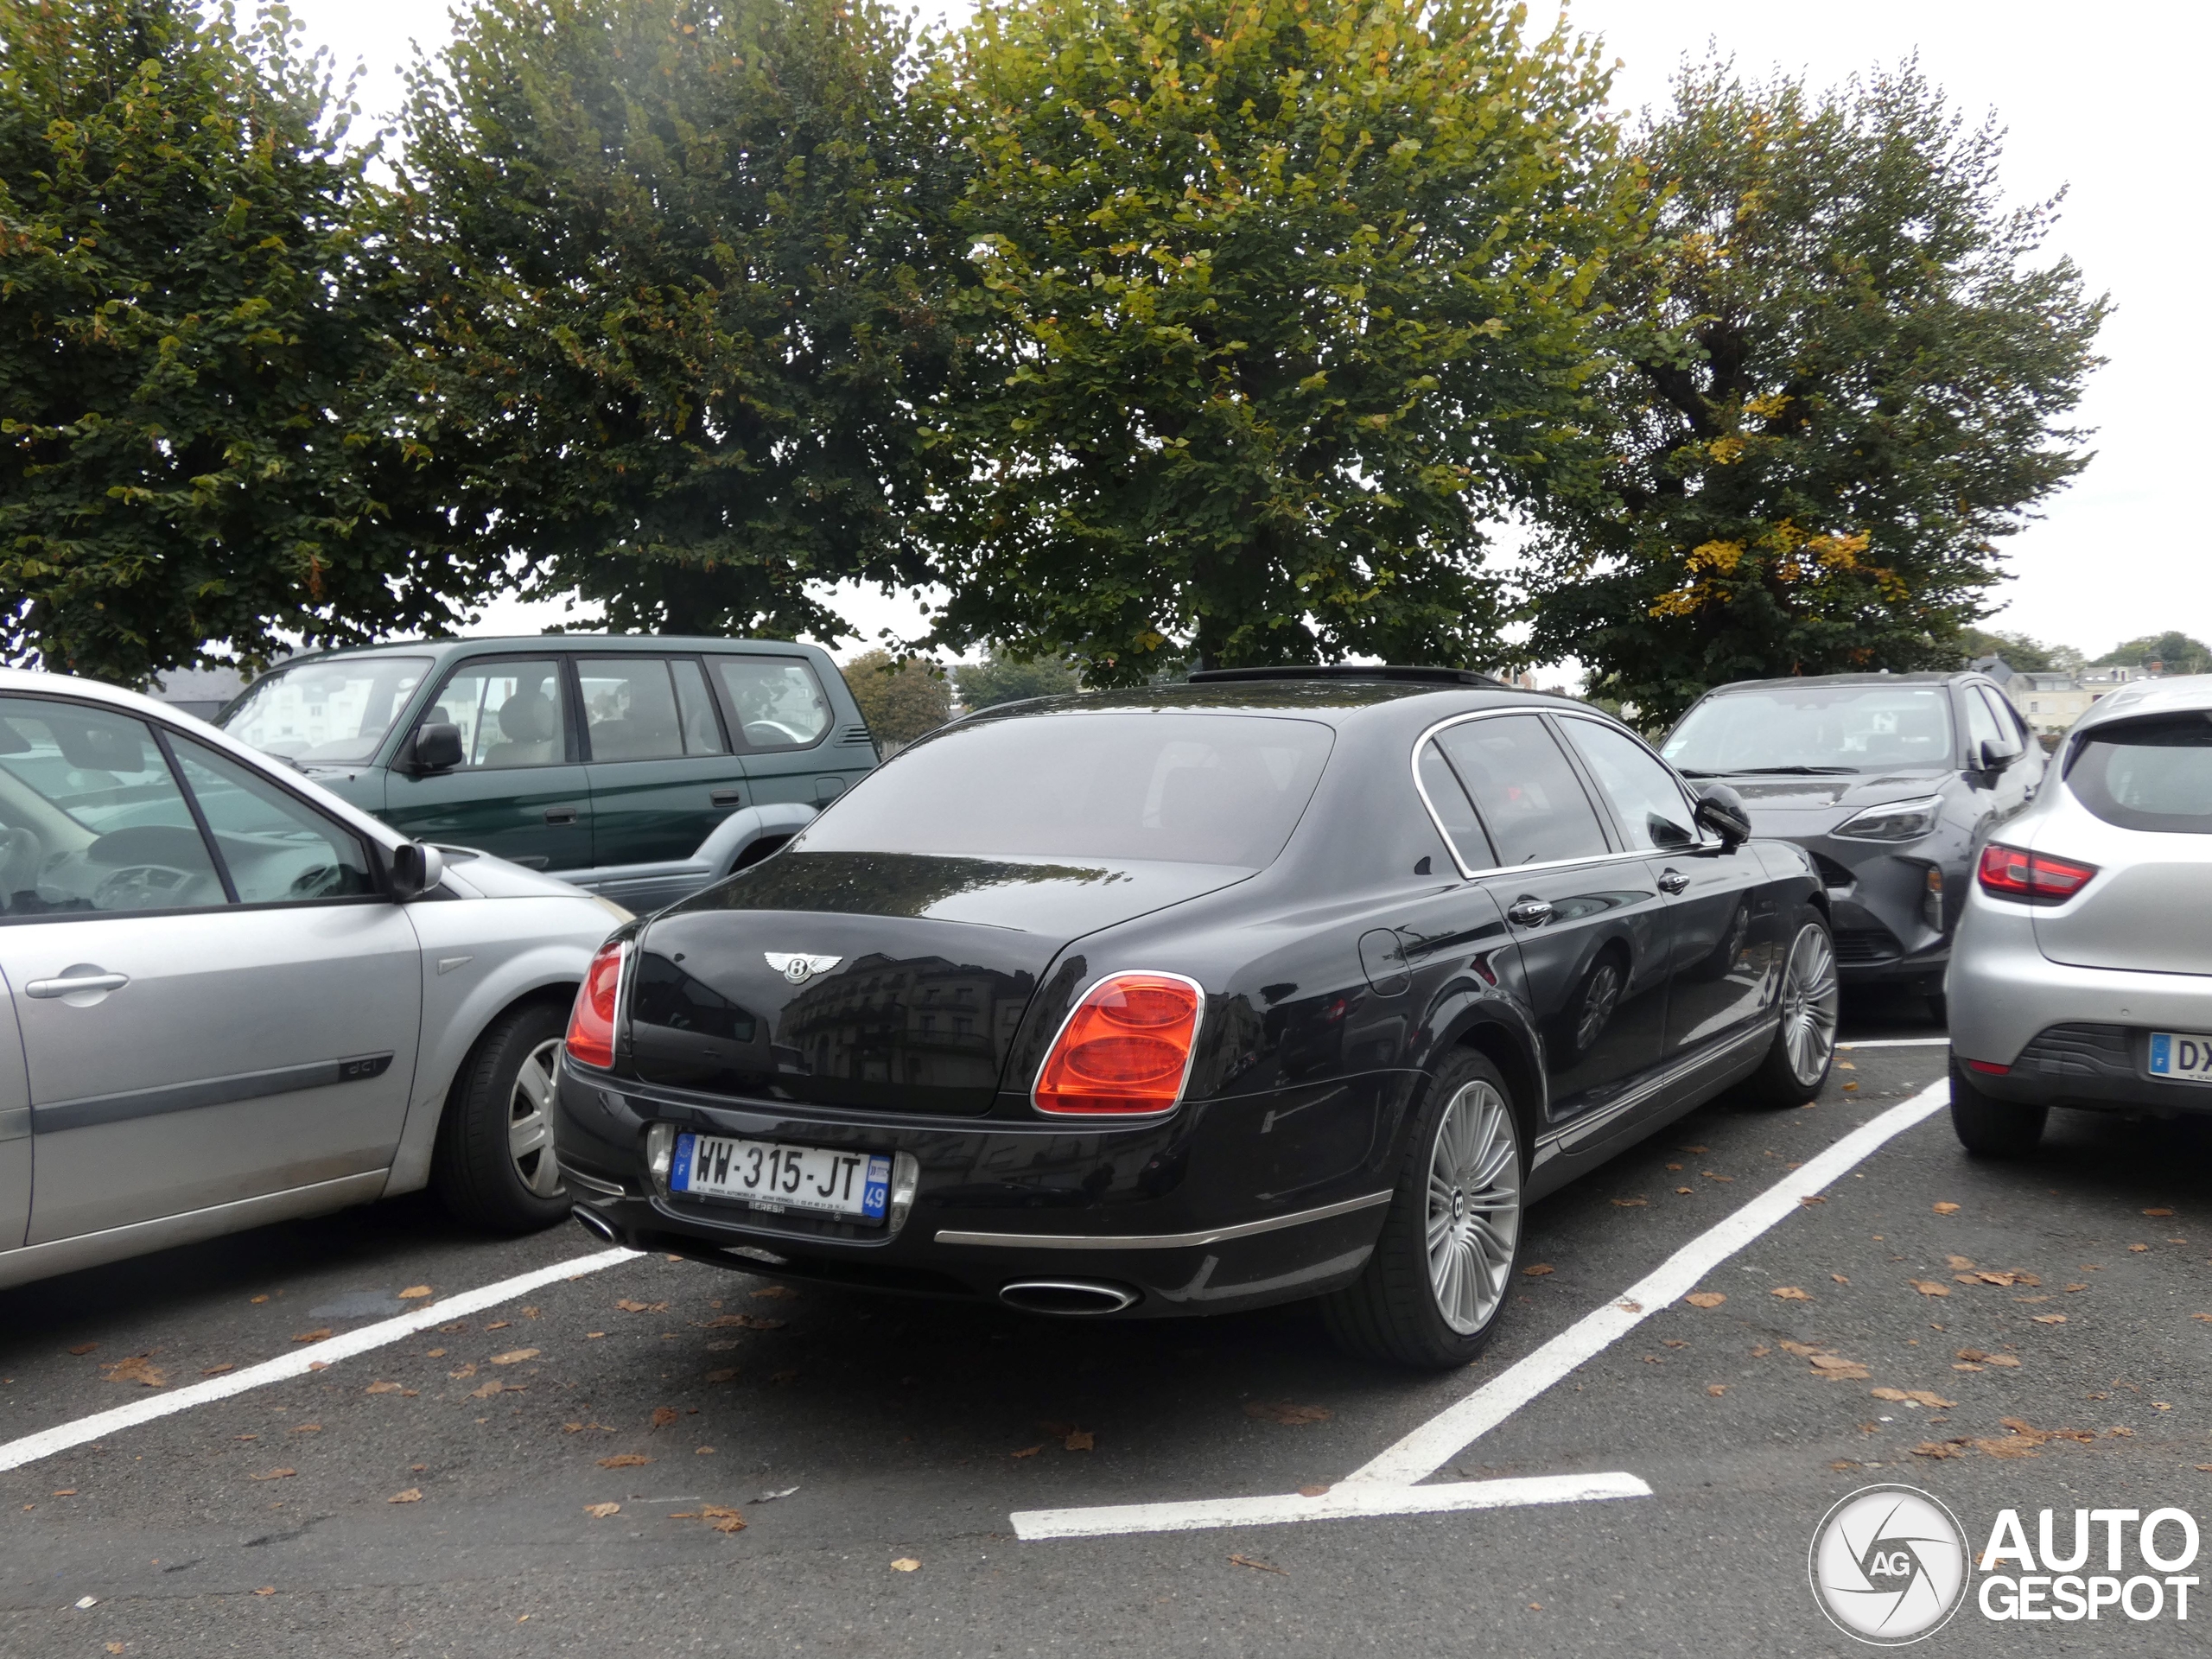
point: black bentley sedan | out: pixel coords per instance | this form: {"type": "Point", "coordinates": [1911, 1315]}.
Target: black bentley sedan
{"type": "Point", "coordinates": [1280, 984]}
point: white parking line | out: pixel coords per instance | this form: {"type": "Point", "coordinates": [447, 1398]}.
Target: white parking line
{"type": "Point", "coordinates": [30, 1449]}
{"type": "Point", "coordinates": [1393, 1477]}
{"type": "Point", "coordinates": [1898, 1042]}
{"type": "Point", "coordinates": [1339, 1504]}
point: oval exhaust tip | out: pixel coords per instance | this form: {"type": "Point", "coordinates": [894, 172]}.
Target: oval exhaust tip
{"type": "Point", "coordinates": [595, 1224]}
{"type": "Point", "coordinates": [1078, 1298]}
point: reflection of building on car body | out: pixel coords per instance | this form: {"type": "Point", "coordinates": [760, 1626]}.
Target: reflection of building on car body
{"type": "Point", "coordinates": [2083, 971]}
{"type": "Point", "coordinates": [1890, 782]}
{"type": "Point", "coordinates": [638, 767]}
{"type": "Point", "coordinates": [237, 999]}
{"type": "Point", "coordinates": [1274, 985]}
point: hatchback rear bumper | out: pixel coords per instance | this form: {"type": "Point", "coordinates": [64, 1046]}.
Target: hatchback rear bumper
{"type": "Point", "coordinates": [2099, 1066]}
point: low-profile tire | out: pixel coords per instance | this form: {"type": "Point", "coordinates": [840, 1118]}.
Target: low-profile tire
{"type": "Point", "coordinates": [1796, 1066]}
{"type": "Point", "coordinates": [1435, 1287]}
{"type": "Point", "coordinates": [495, 1168]}
{"type": "Point", "coordinates": [1993, 1128]}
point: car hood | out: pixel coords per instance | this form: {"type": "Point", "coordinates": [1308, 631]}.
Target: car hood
{"type": "Point", "coordinates": [1795, 805]}
{"type": "Point", "coordinates": [479, 875]}
{"type": "Point", "coordinates": [912, 976]}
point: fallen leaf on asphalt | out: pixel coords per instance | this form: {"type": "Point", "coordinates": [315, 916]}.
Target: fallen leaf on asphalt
{"type": "Point", "coordinates": [1839, 1369]}
{"type": "Point", "coordinates": [1812, 1198]}
{"type": "Point", "coordinates": [217, 1371]}
{"type": "Point", "coordinates": [2048, 1319]}
{"type": "Point", "coordinates": [1962, 1263]}
{"type": "Point", "coordinates": [1838, 1278]}
{"type": "Point", "coordinates": [905, 1564]}
{"type": "Point", "coordinates": [1028, 1450]}
{"type": "Point", "coordinates": [1974, 1354]}
{"type": "Point", "coordinates": [1936, 1449]}
{"type": "Point", "coordinates": [1630, 1204]}
{"type": "Point", "coordinates": [1715, 1175]}
{"type": "Point", "coordinates": [135, 1369]}
{"type": "Point", "coordinates": [2120, 1434]}
{"type": "Point", "coordinates": [600, 1511]}
{"type": "Point", "coordinates": [594, 1336]}
{"type": "Point", "coordinates": [1716, 1390]}
{"type": "Point", "coordinates": [2032, 1299]}
{"type": "Point", "coordinates": [467, 1370]}
{"type": "Point", "coordinates": [2158, 1212]}
{"type": "Point", "coordinates": [1945, 1208]}
{"type": "Point", "coordinates": [775, 1290]}
{"type": "Point", "coordinates": [629, 1306]}
{"type": "Point", "coordinates": [1685, 1191]}
{"type": "Point", "coordinates": [1283, 1411]}
{"type": "Point", "coordinates": [498, 1325]}
{"type": "Point", "coordinates": [2010, 1361]}
{"type": "Point", "coordinates": [414, 1292]}
{"type": "Point", "coordinates": [1696, 1148]}
{"type": "Point", "coordinates": [66, 1491]}
{"type": "Point", "coordinates": [490, 1389]}
{"type": "Point", "coordinates": [2009, 1446]}
{"type": "Point", "coordinates": [1964, 1365]}
{"type": "Point", "coordinates": [382, 1387]}
{"type": "Point", "coordinates": [624, 1460]}
{"type": "Point", "coordinates": [1805, 1351]}
{"type": "Point", "coordinates": [514, 1356]}
{"type": "Point", "coordinates": [1705, 1298]}
{"type": "Point", "coordinates": [115, 1647]}
{"type": "Point", "coordinates": [1675, 1342]}
{"type": "Point", "coordinates": [1850, 1087]}
{"type": "Point", "coordinates": [257, 1299]}
{"type": "Point", "coordinates": [1257, 1567]}
{"type": "Point", "coordinates": [727, 1373]}
{"type": "Point", "coordinates": [2160, 1405]}
{"type": "Point", "coordinates": [84, 1348]}
{"type": "Point", "coordinates": [306, 1429]}
{"type": "Point", "coordinates": [1929, 1287]}
{"type": "Point", "coordinates": [1538, 1271]}
{"type": "Point", "coordinates": [275, 1474]}
{"type": "Point", "coordinates": [266, 1590]}
{"type": "Point", "coordinates": [730, 1523]}
{"type": "Point", "coordinates": [312, 1336]}
{"type": "Point", "coordinates": [1790, 1293]}
{"type": "Point", "coordinates": [2138, 1248]}
{"type": "Point", "coordinates": [741, 1321]}
{"type": "Point", "coordinates": [412, 1495]}
{"type": "Point", "coordinates": [1674, 1166]}
{"type": "Point", "coordinates": [1312, 1491]}
{"type": "Point", "coordinates": [664, 1415]}
{"type": "Point", "coordinates": [1083, 1440]}
{"type": "Point", "coordinates": [1913, 1396]}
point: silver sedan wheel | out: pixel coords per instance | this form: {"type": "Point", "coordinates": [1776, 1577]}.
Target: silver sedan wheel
{"type": "Point", "coordinates": [529, 1121]}
{"type": "Point", "coordinates": [1809, 998]}
{"type": "Point", "coordinates": [1474, 1206]}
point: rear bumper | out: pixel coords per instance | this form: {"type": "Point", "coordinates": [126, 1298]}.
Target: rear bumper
{"type": "Point", "coordinates": [2099, 1066]}
{"type": "Point", "coordinates": [1231, 1203]}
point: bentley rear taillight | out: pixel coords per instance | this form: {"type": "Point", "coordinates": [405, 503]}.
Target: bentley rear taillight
{"type": "Point", "coordinates": [2030, 878]}
{"type": "Point", "coordinates": [591, 1022]}
{"type": "Point", "coordinates": [1125, 1051]}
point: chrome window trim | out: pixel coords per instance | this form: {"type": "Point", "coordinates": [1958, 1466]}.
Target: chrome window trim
{"type": "Point", "coordinates": [1160, 1241]}
{"type": "Point", "coordinates": [1682, 784]}
{"type": "Point", "coordinates": [1730, 1049]}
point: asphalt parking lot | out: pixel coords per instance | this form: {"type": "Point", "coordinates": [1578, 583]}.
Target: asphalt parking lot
{"type": "Point", "coordinates": [561, 1473]}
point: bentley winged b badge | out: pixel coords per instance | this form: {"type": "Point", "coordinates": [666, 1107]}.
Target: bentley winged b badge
{"type": "Point", "coordinates": [799, 969]}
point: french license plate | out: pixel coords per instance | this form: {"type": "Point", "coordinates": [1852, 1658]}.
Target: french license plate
{"type": "Point", "coordinates": [770, 1176]}
{"type": "Point", "coordinates": [2179, 1054]}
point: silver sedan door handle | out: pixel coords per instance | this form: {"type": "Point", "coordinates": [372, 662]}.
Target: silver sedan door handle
{"type": "Point", "coordinates": [73, 984]}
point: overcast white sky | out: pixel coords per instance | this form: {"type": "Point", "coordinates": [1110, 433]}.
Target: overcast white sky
{"type": "Point", "coordinates": [2104, 101]}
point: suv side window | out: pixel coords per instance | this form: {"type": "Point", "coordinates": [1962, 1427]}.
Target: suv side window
{"type": "Point", "coordinates": [1455, 813]}
{"type": "Point", "coordinates": [278, 849]}
{"type": "Point", "coordinates": [2008, 717]}
{"type": "Point", "coordinates": [1647, 802]}
{"type": "Point", "coordinates": [1530, 800]}
{"type": "Point", "coordinates": [91, 820]}
{"type": "Point", "coordinates": [509, 712]}
{"type": "Point", "coordinates": [646, 708]}
{"type": "Point", "coordinates": [778, 702]}
{"type": "Point", "coordinates": [1981, 725]}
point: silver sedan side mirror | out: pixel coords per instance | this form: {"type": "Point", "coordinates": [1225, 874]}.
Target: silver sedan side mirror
{"type": "Point", "coordinates": [417, 868]}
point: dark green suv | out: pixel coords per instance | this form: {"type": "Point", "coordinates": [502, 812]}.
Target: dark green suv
{"type": "Point", "coordinates": [641, 767]}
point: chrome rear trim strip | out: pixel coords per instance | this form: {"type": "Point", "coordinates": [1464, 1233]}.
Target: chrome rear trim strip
{"type": "Point", "coordinates": [1158, 1240]}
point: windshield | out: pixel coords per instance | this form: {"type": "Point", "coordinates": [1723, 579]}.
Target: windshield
{"type": "Point", "coordinates": [1191, 789]}
{"type": "Point", "coordinates": [1814, 729]}
{"type": "Point", "coordinates": [333, 713]}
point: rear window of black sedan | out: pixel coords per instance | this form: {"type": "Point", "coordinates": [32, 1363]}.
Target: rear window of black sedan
{"type": "Point", "coordinates": [1181, 788]}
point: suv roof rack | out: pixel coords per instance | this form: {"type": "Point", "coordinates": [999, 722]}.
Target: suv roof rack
{"type": "Point", "coordinates": [1417, 674]}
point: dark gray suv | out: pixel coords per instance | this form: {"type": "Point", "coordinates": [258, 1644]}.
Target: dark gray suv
{"type": "Point", "coordinates": [1891, 782]}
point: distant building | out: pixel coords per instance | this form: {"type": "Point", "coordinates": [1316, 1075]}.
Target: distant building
{"type": "Point", "coordinates": [2050, 703]}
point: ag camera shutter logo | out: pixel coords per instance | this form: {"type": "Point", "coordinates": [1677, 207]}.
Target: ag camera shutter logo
{"type": "Point", "coordinates": [1889, 1565]}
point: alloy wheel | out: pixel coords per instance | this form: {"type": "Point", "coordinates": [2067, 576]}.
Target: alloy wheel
{"type": "Point", "coordinates": [529, 1121]}
{"type": "Point", "coordinates": [1809, 999]}
{"type": "Point", "coordinates": [1474, 1206]}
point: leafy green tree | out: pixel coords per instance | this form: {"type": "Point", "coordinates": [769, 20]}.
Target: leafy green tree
{"type": "Point", "coordinates": [900, 698]}
{"type": "Point", "coordinates": [2174, 652]}
{"type": "Point", "coordinates": [197, 440]}
{"type": "Point", "coordinates": [999, 679]}
{"type": "Point", "coordinates": [2030, 656]}
{"type": "Point", "coordinates": [1841, 377]}
{"type": "Point", "coordinates": [674, 259]}
{"type": "Point", "coordinates": [1280, 300]}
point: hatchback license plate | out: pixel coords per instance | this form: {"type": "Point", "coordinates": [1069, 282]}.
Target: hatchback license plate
{"type": "Point", "coordinates": [776, 1177]}
{"type": "Point", "coordinates": [2182, 1055]}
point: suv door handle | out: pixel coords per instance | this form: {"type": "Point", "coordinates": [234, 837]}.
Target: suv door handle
{"type": "Point", "coordinates": [560, 814]}
{"type": "Point", "coordinates": [71, 984]}
{"type": "Point", "coordinates": [1528, 912]}
{"type": "Point", "coordinates": [1673, 882]}
{"type": "Point", "coordinates": [726, 797]}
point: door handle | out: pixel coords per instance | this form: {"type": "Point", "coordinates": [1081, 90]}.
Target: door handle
{"type": "Point", "coordinates": [70, 984]}
{"type": "Point", "coordinates": [1527, 911]}
{"type": "Point", "coordinates": [560, 814]}
{"type": "Point", "coordinates": [726, 797]}
{"type": "Point", "coordinates": [1673, 882]}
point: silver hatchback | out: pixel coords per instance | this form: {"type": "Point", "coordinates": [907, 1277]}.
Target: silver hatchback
{"type": "Point", "coordinates": [2082, 972]}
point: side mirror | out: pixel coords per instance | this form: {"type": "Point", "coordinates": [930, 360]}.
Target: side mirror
{"type": "Point", "coordinates": [416, 866]}
{"type": "Point", "coordinates": [1721, 811]}
{"type": "Point", "coordinates": [437, 748]}
{"type": "Point", "coordinates": [1994, 758]}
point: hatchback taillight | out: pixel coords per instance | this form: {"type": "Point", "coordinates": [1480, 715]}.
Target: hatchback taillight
{"type": "Point", "coordinates": [1126, 1049]}
{"type": "Point", "coordinates": [2031, 877]}
{"type": "Point", "coordinates": [591, 1022]}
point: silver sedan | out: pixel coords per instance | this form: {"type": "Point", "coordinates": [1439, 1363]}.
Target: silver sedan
{"type": "Point", "coordinates": [236, 999]}
{"type": "Point", "coordinates": [2082, 973]}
